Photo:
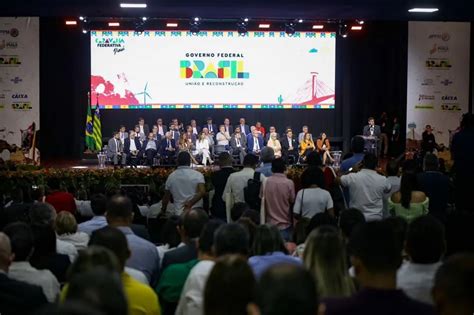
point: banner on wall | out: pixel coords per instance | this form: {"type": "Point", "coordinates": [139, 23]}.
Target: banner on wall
{"type": "Point", "coordinates": [438, 78]}
{"type": "Point", "coordinates": [19, 89]}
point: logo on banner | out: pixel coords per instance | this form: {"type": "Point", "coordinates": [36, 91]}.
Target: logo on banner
{"type": "Point", "coordinates": [443, 36]}
{"type": "Point", "coordinates": [110, 42]}
{"type": "Point", "coordinates": [438, 49]}
{"type": "Point", "coordinates": [223, 69]}
{"type": "Point", "coordinates": [442, 64]}
{"type": "Point", "coordinates": [446, 82]}
{"type": "Point", "coordinates": [16, 80]}
{"type": "Point", "coordinates": [427, 82]}
{"type": "Point", "coordinates": [424, 106]}
{"type": "Point", "coordinates": [22, 106]}
{"type": "Point", "coordinates": [449, 98]}
{"type": "Point", "coordinates": [9, 61]}
{"type": "Point", "coordinates": [423, 97]}
{"type": "Point", "coordinates": [20, 96]}
{"type": "Point", "coordinates": [8, 45]}
{"type": "Point", "coordinates": [14, 32]}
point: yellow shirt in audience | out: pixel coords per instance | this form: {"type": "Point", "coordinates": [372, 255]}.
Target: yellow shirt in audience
{"type": "Point", "coordinates": [141, 299]}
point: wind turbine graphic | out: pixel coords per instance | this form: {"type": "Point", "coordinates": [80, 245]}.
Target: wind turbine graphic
{"type": "Point", "coordinates": [145, 94]}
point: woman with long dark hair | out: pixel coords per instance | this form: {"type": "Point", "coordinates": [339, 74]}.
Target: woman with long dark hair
{"type": "Point", "coordinates": [324, 146]}
{"type": "Point", "coordinates": [408, 202]}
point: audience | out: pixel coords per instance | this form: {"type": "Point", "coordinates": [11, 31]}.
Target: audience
{"type": "Point", "coordinates": [140, 297]}
{"type": "Point", "coordinates": [59, 199]}
{"type": "Point", "coordinates": [325, 257]}
{"type": "Point", "coordinates": [16, 297]}
{"type": "Point", "coordinates": [266, 156]}
{"type": "Point", "coordinates": [367, 189]}
{"type": "Point", "coordinates": [454, 286]}
{"type": "Point", "coordinates": [66, 229]}
{"type": "Point", "coordinates": [376, 255]}
{"type": "Point", "coordinates": [219, 180]}
{"type": "Point", "coordinates": [99, 207]}
{"type": "Point", "coordinates": [348, 220]}
{"type": "Point", "coordinates": [286, 289]}
{"type": "Point", "coordinates": [170, 236]}
{"type": "Point", "coordinates": [392, 171]}
{"type": "Point", "coordinates": [408, 203]}
{"type": "Point", "coordinates": [22, 245]}
{"type": "Point", "coordinates": [144, 255]}
{"type": "Point", "coordinates": [228, 239]}
{"type": "Point", "coordinates": [268, 250]}
{"type": "Point", "coordinates": [193, 221]}
{"type": "Point", "coordinates": [357, 149]}
{"type": "Point", "coordinates": [279, 194]}
{"type": "Point", "coordinates": [230, 287]}
{"type": "Point", "coordinates": [185, 186]}
{"type": "Point", "coordinates": [425, 246]}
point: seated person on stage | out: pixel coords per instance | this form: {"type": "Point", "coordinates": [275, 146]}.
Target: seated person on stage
{"type": "Point", "coordinates": [179, 126]}
{"type": "Point", "coordinates": [156, 135]}
{"type": "Point", "coordinates": [223, 137]}
{"type": "Point", "coordinates": [143, 128]}
{"type": "Point", "coordinates": [151, 147]}
{"type": "Point", "coordinates": [185, 144]}
{"type": "Point", "coordinates": [191, 136]}
{"type": "Point", "coordinates": [244, 128]}
{"type": "Point", "coordinates": [228, 127]}
{"type": "Point", "coordinates": [203, 149]}
{"type": "Point", "coordinates": [306, 146]}
{"type": "Point", "coordinates": [304, 130]}
{"type": "Point", "coordinates": [162, 129]}
{"type": "Point", "coordinates": [115, 150]}
{"type": "Point", "coordinates": [168, 148]}
{"type": "Point", "coordinates": [260, 128]}
{"type": "Point", "coordinates": [196, 129]}
{"type": "Point", "coordinates": [289, 147]}
{"type": "Point", "coordinates": [428, 142]}
{"type": "Point", "coordinates": [132, 148]}
{"type": "Point", "coordinates": [238, 143]}
{"type": "Point", "coordinates": [210, 126]}
{"type": "Point", "coordinates": [255, 142]}
{"type": "Point", "coordinates": [174, 131]}
{"type": "Point", "coordinates": [139, 135]}
{"type": "Point", "coordinates": [275, 144]}
{"type": "Point", "coordinates": [323, 146]}
{"type": "Point", "coordinates": [270, 131]}
{"type": "Point", "coordinates": [123, 133]}
{"type": "Point", "coordinates": [209, 136]}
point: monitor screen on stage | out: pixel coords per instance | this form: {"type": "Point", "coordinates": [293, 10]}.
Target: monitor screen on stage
{"type": "Point", "coordinates": [213, 69]}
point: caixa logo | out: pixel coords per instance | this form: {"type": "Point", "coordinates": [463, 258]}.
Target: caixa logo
{"type": "Point", "coordinates": [22, 106]}
{"type": "Point", "coordinates": [19, 96]}
{"type": "Point", "coordinates": [443, 36]}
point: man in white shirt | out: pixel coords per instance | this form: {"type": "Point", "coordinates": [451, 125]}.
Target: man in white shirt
{"type": "Point", "coordinates": [234, 189]}
{"type": "Point", "coordinates": [186, 185]}
{"type": "Point", "coordinates": [21, 238]}
{"type": "Point", "coordinates": [367, 189]}
{"type": "Point", "coordinates": [161, 128]}
{"type": "Point", "coordinates": [223, 136]}
{"type": "Point", "coordinates": [425, 246]}
{"type": "Point", "coordinates": [228, 239]}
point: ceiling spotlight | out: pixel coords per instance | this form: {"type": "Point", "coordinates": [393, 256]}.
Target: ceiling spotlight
{"type": "Point", "coordinates": [114, 24]}
{"type": "Point", "coordinates": [71, 22]}
{"type": "Point", "coordinates": [246, 19]}
{"type": "Point", "coordinates": [343, 30]}
{"type": "Point", "coordinates": [144, 18]}
{"type": "Point", "coordinates": [360, 22]}
{"type": "Point", "coordinates": [290, 29]}
{"type": "Point", "coordinates": [133, 5]}
{"type": "Point", "coordinates": [423, 10]}
{"type": "Point", "coordinates": [318, 27]}
{"type": "Point", "coordinates": [356, 28]}
{"type": "Point", "coordinates": [242, 28]}
{"type": "Point", "coordinates": [196, 19]}
{"type": "Point", "coordinates": [300, 21]}
{"type": "Point", "coordinates": [194, 27]}
{"type": "Point", "coordinates": [84, 31]}
{"type": "Point", "coordinates": [264, 25]}
{"type": "Point", "coordinates": [81, 18]}
{"type": "Point", "coordinates": [171, 24]}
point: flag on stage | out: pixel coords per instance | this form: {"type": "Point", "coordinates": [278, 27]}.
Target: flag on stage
{"type": "Point", "coordinates": [97, 134]}
{"type": "Point", "coordinates": [90, 144]}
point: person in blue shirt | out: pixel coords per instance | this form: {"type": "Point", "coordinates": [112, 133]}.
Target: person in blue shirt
{"type": "Point", "coordinates": [357, 148]}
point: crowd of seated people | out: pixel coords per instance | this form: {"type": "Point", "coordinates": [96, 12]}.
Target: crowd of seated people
{"type": "Point", "coordinates": [160, 144]}
{"type": "Point", "coordinates": [299, 250]}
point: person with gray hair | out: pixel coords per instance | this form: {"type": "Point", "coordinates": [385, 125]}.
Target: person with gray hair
{"type": "Point", "coordinates": [435, 185]}
{"type": "Point", "coordinates": [266, 157]}
{"type": "Point", "coordinates": [16, 297]}
{"type": "Point", "coordinates": [42, 213]}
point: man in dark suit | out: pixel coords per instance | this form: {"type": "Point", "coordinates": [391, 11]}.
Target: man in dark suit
{"type": "Point", "coordinates": [289, 147]}
{"type": "Point", "coordinates": [162, 129]}
{"type": "Point", "coordinates": [115, 150]}
{"type": "Point", "coordinates": [168, 148]}
{"type": "Point", "coordinates": [244, 128]}
{"type": "Point", "coordinates": [211, 127]}
{"type": "Point", "coordinates": [228, 127]}
{"type": "Point", "coordinates": [255, 142]}
{"type": "Point", "coordinates": [16, 297]}
{"type": "Point", "coordinates": [196, 128]}
{"type": "Point", "coordinates": [219, 180]}
{"type": "Point", "coordinates": [144, 129]}
{"type": "Point", "coordinates": [191, 226]}
{"type": "Point", "coordinates": [175, 132]}
{"type": "Point", "coordinates": [371, 129]}
{"type": "Point", "coordinates": [150, 147]}
{"type": "Point", "coordinates": [132, 149]}
{"type": "Point", "coordinates": [238, 144]}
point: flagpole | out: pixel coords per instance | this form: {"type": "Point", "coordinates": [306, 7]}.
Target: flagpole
{"type": "Point", "coordinates": [88, 150]}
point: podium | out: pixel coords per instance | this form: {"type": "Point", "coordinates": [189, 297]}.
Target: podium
{"type": "Point", "coordinates": [371, 144]}
{"type": "Point", "coordinates": [102, 158]}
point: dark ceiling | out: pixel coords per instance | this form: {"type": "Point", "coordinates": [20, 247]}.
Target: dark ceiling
{"type": "Point", "coordinates": [453, 10]}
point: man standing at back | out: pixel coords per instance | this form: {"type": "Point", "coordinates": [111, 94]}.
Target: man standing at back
{"type": "Point", "coordinates": [376, 256]}
{"type": "Point", "coordinates": [185, 185]}
{"type": "Point", "coordinates": [219, 180]}
{"type": "Point", "coordinates": [279, 194]}
{"type": "Point", "coordinates": [144, 254]}
{"type": "Point", "coordinates": [367, 189]}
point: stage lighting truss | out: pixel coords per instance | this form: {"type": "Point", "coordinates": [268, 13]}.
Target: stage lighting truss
{"type": "Point", "coordinates": [242, 26]}
{"type": "Point", "coordinates": [195, 26]}
{"type": "Point", "coordinates": [343, 30]}
{"type": "Point", "coordinates": [290, 28]}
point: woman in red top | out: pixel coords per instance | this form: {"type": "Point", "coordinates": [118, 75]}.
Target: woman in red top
{"type": "Point", "coordinates": [260, 128]}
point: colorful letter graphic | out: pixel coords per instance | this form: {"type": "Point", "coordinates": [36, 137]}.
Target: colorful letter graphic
{"type": "Point", "coordinates": [226, 69]}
